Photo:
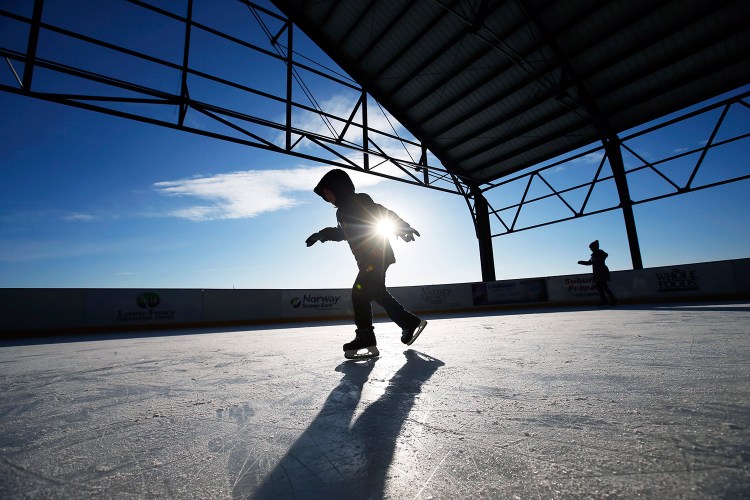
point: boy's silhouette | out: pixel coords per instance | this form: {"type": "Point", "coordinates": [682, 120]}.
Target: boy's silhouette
{"type": "Point", "coordinates": [358, 219]}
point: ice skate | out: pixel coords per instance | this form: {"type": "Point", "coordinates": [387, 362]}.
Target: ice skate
{"type": "Point", "coordinates": [409, 336]}
{"type": "Point", "coordinates": [364, 346]}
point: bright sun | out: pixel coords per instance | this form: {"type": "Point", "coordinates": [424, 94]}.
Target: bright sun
{"type": "Point", "coordinates": [385, 227]}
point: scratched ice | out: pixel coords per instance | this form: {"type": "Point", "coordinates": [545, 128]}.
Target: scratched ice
{"type": "Point", "coordinates": [650, 401]}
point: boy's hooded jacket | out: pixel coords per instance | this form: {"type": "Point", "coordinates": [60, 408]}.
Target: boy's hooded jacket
{"type": "Point", "coordinates": [357, 217]}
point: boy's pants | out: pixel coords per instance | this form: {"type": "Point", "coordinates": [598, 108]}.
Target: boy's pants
{"type": "Point", "coordinates": [369, 286]}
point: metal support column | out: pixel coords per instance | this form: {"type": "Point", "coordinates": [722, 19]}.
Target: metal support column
{"type": "Point", "coordinates": [612, 147]}
{"type": "Point", "coordinates": [484, 235]}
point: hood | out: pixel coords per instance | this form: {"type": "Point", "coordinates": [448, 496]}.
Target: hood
{"type": "Point", "coordinates": [337, 181]}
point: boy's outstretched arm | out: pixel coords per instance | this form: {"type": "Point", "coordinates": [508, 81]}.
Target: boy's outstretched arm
{"type": "Point", "coordinates": [402, 229]}
{"type": "Point", "coordinates": [327, 234]}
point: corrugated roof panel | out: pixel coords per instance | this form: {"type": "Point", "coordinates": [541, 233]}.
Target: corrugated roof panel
{"type": "Point", "coordinates": [423, 55]}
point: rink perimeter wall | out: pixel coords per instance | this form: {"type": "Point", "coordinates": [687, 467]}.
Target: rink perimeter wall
{"type": "Point", "coordinates": [26, 310]}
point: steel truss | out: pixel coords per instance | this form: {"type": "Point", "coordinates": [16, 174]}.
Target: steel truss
{"type": "Point", "coordinates": [348, 141]}
{"type": "Point", "coordinates": [506, 218]}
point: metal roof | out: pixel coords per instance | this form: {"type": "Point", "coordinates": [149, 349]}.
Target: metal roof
{"type": "Point", "coordinates": [494, 87]}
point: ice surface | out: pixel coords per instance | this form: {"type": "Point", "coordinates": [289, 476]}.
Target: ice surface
{"type": "Point", "coordinates": [650, 401]}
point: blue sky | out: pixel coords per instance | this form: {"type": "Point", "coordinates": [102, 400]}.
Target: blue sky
{"type": "Point", "coordinates": [90, 200]}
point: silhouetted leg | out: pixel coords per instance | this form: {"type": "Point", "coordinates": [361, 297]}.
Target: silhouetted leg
{"type": "Point", "coordinates": [393, 308]}
{"type": "Point", "coordinates": [395, 311]}
{"type": "Point", "coordinates": [370, 285]}
{"type": "Point", "coordinates": [363, 293]}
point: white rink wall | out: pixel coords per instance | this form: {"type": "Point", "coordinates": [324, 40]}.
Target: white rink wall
{"type": "Point", "coordinates": [32, 309]}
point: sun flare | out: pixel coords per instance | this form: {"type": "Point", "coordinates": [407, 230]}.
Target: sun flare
{"type": "Point", "coordinates": [385, 227]}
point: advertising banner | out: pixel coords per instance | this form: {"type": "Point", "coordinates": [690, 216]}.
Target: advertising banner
{"type": "Point", "coordinates": [122, 307]}
{"type": "Point", "coordinates": [706, 279]}
{"type": "Point", "coordinates": [316, 303]}
{"type": "Point", "coordinates": [581, 287]}
{"type": "Point", "coordinates": [509, 292]}
{"type": "Point", "coordinates": [432, 297]}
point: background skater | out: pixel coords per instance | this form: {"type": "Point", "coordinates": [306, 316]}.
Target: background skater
{"type": "Point", "coordinates": [601, 273]}
{"type": "Point", "coordinates": [358, 221]}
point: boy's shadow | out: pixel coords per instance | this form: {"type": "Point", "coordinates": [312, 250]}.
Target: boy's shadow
{"type": "Point", "coordinates": [335, 458]}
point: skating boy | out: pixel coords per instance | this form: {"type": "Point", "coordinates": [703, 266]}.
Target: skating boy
{"type": "Point", "coordinates": [358, 219]}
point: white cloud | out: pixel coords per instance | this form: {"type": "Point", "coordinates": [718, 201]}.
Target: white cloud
{"type": "Point", "coordinates": [246, 194]}
{"type": "Point", "coordinates": [34, 216]}
{"type": "Point", "coordinates": [77, 217]}
{"type": "Point", "coordinates": [595, 157]}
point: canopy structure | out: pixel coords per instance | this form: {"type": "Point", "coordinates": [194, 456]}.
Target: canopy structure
{"type": "Point", "coordinates": [488, 89]}
{"type": "Point", "coordinates": [495, 87]}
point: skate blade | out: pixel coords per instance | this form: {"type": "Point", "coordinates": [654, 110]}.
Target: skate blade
{"type": "Point", "coordinates": [419, 329]}
{"type": "Point", "coordinates": [364, 353]}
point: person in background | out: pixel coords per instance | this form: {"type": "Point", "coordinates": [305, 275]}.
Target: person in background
{"type": "Point", "coordinates": [601, 273]}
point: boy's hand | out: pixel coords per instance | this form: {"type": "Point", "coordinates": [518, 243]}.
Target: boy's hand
{"type": "Point", "coordinates": [408, 234]}
{"type": "Point", "coordinates": [312, 239]}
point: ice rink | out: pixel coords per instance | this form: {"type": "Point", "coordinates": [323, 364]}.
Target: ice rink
{"type": "Point", "coordinates": [645, 401]}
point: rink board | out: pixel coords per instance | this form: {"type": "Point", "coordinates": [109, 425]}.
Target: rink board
{"type": "Point", "coordinates": [23, 310]}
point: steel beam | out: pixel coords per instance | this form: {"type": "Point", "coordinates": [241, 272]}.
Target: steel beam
{"type": "Point", "coordinates": [31, 46]}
